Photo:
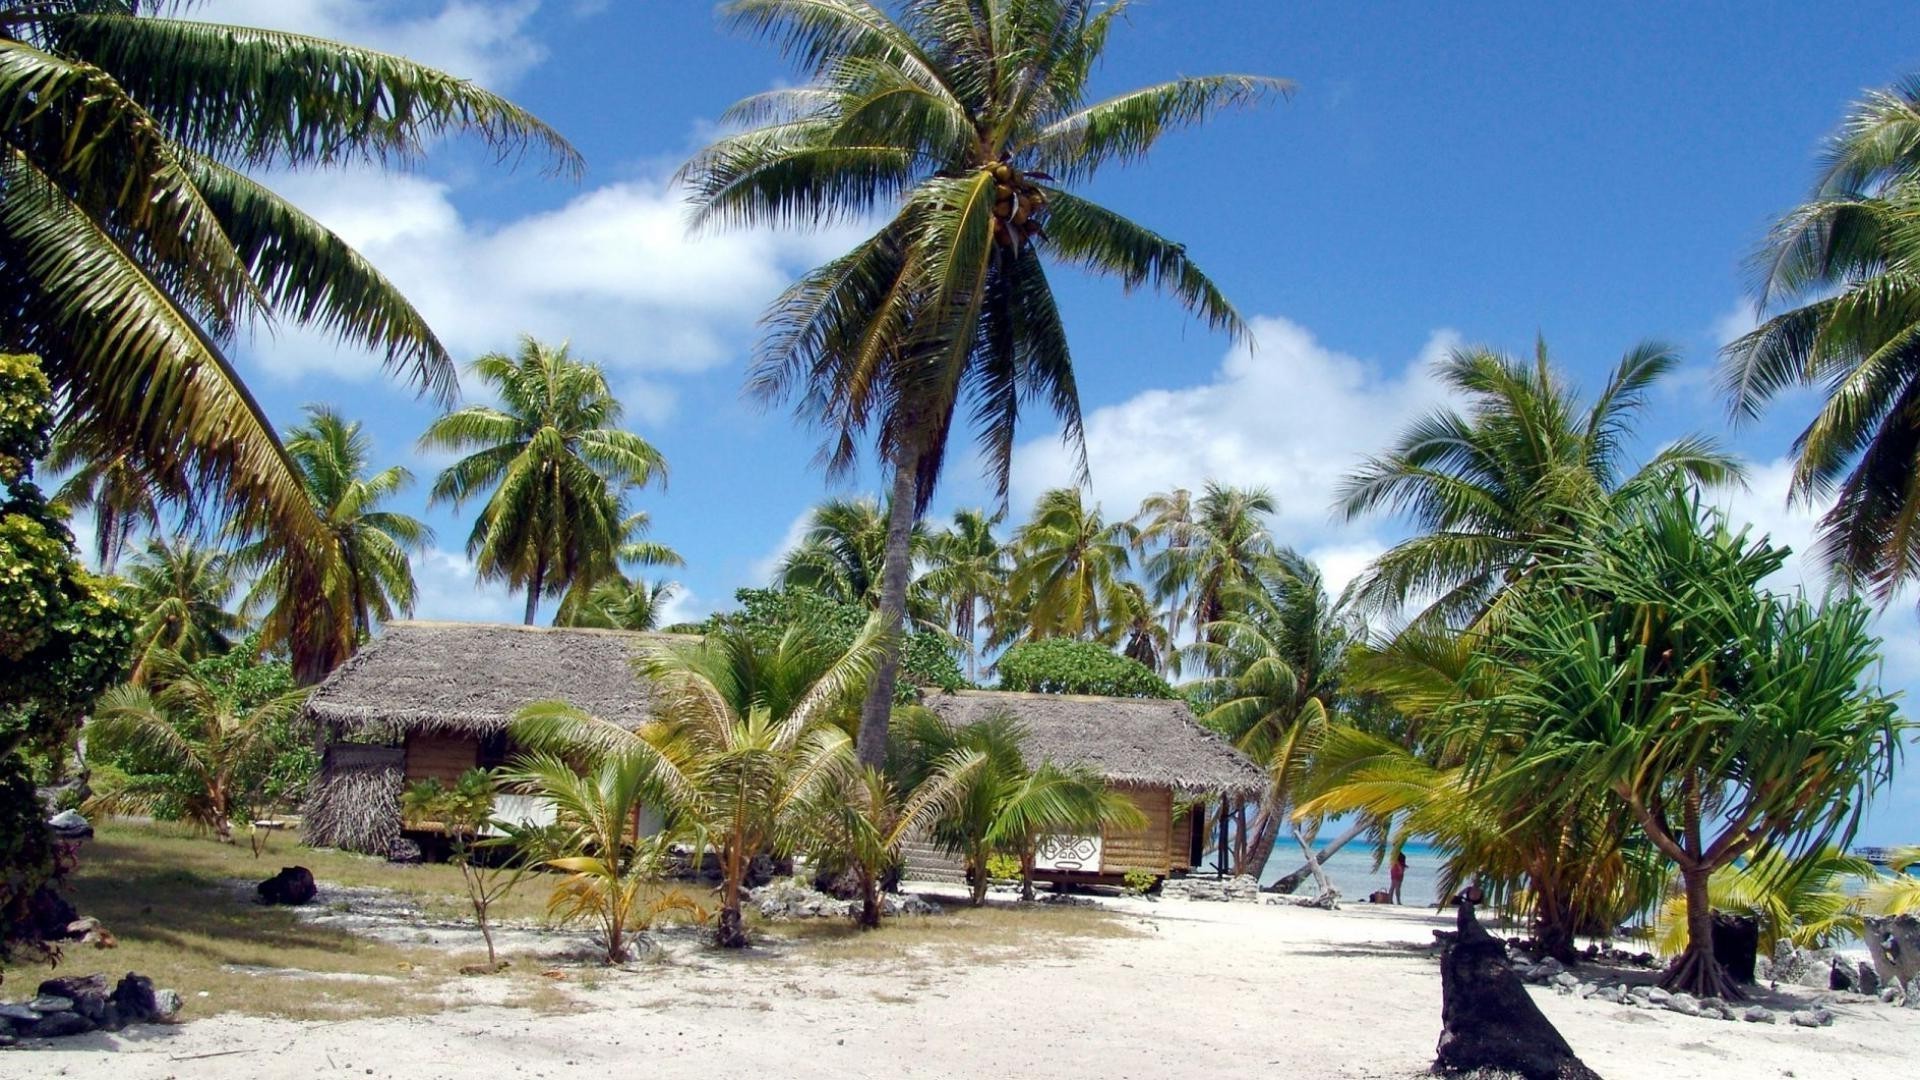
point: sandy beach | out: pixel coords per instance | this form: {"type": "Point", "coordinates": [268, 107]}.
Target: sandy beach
{"type": "Point", "coordinates": [1200, 990]}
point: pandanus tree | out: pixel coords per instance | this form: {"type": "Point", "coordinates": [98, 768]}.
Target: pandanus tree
{"type": "Point", "coordinates": [136, 248]}
{"type": "Point", "coordinates": [968, 125]}
{"type": "Point", "coordinates": [1486, 487]}
{"type": "Point", "coordinates": [553, 467]}
{"type": "Point", "coordinates": [1729, 722]}
{"type": "Point", "coordinates": [1843, 266]}
{"type": "Point", "coordinates": [372, 546]}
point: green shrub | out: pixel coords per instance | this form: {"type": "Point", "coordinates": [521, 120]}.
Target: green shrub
{"type": "Point", "coordinates": [1003, 868]}
{"type": "Point", "coordinates": [1140, 882]}
{"type": "Point", "coordinates": [1067, 666]}
{"type": "Point", "coordinates": [927, 659]}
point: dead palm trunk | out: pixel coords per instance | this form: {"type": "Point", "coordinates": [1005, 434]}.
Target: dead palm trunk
{"type": "Point", "coordinates": [1313, 861]}
{"type": "Point", "coordinates": [877, 709]}
{"type": "Point", "coordinates": [1287, 883]}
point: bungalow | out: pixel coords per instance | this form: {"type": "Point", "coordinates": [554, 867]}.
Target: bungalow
{"type": "Point", "coordinates": [1150, 750]}
{"type": "Point", "coordinates": [430, 700]}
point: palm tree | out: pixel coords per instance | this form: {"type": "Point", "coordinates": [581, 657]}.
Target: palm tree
{"type": "Point", "coordinates": [1070, 563]}
{"type": "Point", "coordinates": [191, 730]}
{"type": "Point", "coordinates": [1843, 264]}
{"type": "Point", "coordinates": [373, 548]}
{"type": "Point", "coordinates": [1485, 487]}
{"type": "Point", "coordinates": [616, 603]}
{"type": "Point", "coordinates": [967, 570]}
{"type": "Point", "coordinates": [743, 742]}
{"type": "Point", "coordinates": [135, 247]}
{"type": "Point", "coordinates": [123, 499]}
{"type": "Point", "coordinates": [180, 591]}
{"type": "Point", "coordinates": [1814, 905]}
{"type": "Point", "coordinates": [1142, 634]}
{"type": "Point", "coordinates": [972, 120]}
{"type": "Point", "coordinates": [1280, 647]}
{"type": "Point", "coordinates": [1208, 550]}
{"type": "Point", "coordinates": [860, 818]}
{"type": "Point", "coordinates": [1728, 721]}
{"type": "Point", "coordinates": [553, 466]}
{"type": "Point", "coordinates": [840, 554]}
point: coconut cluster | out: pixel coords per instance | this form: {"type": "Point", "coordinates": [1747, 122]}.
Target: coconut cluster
{"type": "Point", "coordinates": [1019, 206]}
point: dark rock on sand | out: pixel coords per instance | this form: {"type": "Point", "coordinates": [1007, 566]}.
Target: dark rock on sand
{"type": "Point", "coordinates": [293, 886]}
{"type": "Point", "coordinates": [1736, 944]}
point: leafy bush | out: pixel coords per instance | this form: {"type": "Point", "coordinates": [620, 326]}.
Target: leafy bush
{"type": "Point", "coordinates": [1003, 868]}
{"type": "Point", "coordinates": [1140, 882]}
{"type": "Point", "coordinates": [1068, 666]}
{"type": "Point", "coordinates": [927, 659]}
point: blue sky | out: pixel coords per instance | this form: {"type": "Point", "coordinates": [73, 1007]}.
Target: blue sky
{"type": "Point", "coordinates": [1591, 173]}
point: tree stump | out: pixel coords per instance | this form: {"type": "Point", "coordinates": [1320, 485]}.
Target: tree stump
{"type": "Point", "coordinates": [293, 885]}
{"type": "Point", "coordinates": [1488, 1021]}
{"type": "Point", "coordinates": [1736, 944]}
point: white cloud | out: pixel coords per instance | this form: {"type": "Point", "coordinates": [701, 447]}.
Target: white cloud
{"type": "Point", "coordinates": [762, 570]}
{"type": "Point", "coordinates": [615, 271]}
{"type": "Point", "coordinates": [1340, 563]}
{"type": "Point", "coordinates": [448, 589]}
{"type": "Point", "coordinates": [1291, 414]}
{"type": "Point", "coordinates": [1736, 322]}
{"type": "Point", "coordinates": [482, 40]}
{"type": "Point", "coordinates": [1764, 506]}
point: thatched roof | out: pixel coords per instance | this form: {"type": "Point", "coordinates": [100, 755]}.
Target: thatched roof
{"type": "Point", "coordinates": [1126, 740]}
{"type": "Point", "coordinates": [473, 677]}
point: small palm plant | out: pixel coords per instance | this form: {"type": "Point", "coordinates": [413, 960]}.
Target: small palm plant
{"type": "Point", "coordinates": [1812, 905]}
{"type": "Point", "coordinates": [861, 819]}
{"type": "Point", "coordinates": [1897, 893]}
{"type": "Point", "coordinates": [202, 746]}
{"type": "Point", "coordinates": [609, 867]}
{"type": "Point", "coordinates": [491, 865]}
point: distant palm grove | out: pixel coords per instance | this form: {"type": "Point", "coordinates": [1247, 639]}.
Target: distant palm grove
{"type": "Point", "coordinates": [1572, 676]}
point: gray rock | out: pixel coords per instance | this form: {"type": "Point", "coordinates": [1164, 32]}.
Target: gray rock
{"type": "Point", "coordinates": [1810, 1018]}
{"type": "Point", "coordinates": [19, 1014]}
{"type": "Point", "coordinates": [1566, 978]}
{"type": "Point", "coordinates": [1615, 994]}
{"type": "Point", "coordinates": [7, 1039]}
{"type": "Point", "coordinates": [1913, 992]}
{"type": "Point", "coordinates": [166, 1004]}
{"type": "Point", "coordinates": [1759, 1014]}
{"type": "Point", "coordinates": [1891, 995]}
{"type": "Point", "coordinates": [50, 1003]}
{"type": "Point", "coordinates": [1684, 1004]}
{"type": "Point", "coordinates": [1586, 990]}
{"type": "Point", "coordinates": [1655, 995]}
{"type": "Point", "coordinates": [57, 1025]}
{"type": "Point", "coordinates": [1866, 978]}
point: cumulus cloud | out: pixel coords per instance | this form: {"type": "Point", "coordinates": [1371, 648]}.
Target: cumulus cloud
{"type": "Point", "coordinates": [482, 40]}
{"type": "Point", "coordinates": [615, 270]}
{"type": "Point", "coordinates": [1291, 414]}
{"type": "Point", "coordinates": [448, 588]}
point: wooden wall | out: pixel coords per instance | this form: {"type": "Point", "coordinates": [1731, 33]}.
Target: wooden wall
{"type": "Point", "coordinates": [440, 756]}
{"type": "Point", "coordinates": [1149, 848]}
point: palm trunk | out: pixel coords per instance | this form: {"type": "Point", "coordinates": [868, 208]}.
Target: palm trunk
{"type": "Point", "coordinates": [869, 899]}
{"type": "Point", "coordinates": [979, 858]}
{"type": "Point", "coordinates": [1026, 875]}
{"type": "Point", "coordinates": [533, 586]}
{"type": "Point", "coordinates": [1287, 883]}
{"type": "Point", "coordinates": [1313, 861]}
{"type": "Point", "coordinates": [877, 709]}
{"type": "Point", "coordinates": [730, 933]}
{"type": "Point", "coordinates": [1261, 836]}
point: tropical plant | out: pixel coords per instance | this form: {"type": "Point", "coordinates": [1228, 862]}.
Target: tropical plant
{"type": "Point", "coordinates": [927, 657]}
{"type": "Point", "coordinates": [180, 592]}
{"type": "Point", "coordinates": [967, 571]}
{"type": "Point", "coordinates": [207, 746]}
{"type": "Point", "coordinates": [1813, 904]}
{"type": "Point", "coordinates": [616, 603]}
{"type": "Point", "coordinates": [1066, 666]}
{"type": "Point", "coordinates": [1204, 549]}
{"type": "Point", "coordinates": [1069, 565]}
{"type": "Point", "coordinates": [1280, 646]}
{"type": "Point", "coordinates": [1486, 487]}
{"type": "Point", "coordinates": [745, 736]}
{"type": "Point", "coordinates": [841, 552]}
{"type": "Point", "coordinates": [1141, 633]}
{"type": "Point", "coordinates": [373, 549]}
{"type": "Point", "coordinates": [1729, 722]}
{"type": "Point", "coordinates": [137, 247]}
{"type": "Point", "coordinates": [609, 868]}
{"type": "Point", "coordinates": [553, 467]}
{"type": "Point", "coordinates": [1001, 806]}
{"type": "Point", "coordinates": [1897, 893]}
{"type": "Point", "coordinates": [124, 500]}
{"type": "Point", "coordinates": [1842, 264]}
{"type": "Point", "coordinates": [860, 819]}
{"type": "Point", "coordinates": [973, 120]}
{"type": "Point", "coordinates": [490, 853]}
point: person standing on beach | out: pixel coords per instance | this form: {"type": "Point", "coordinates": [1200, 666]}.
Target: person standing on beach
{"type": "Point", "coordinates": [1396, 875]}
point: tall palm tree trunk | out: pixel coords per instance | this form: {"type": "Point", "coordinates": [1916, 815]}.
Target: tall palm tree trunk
{"type": "Point", "coordinates": [894, 575]}
{"type": "Point", "coordinates": [533, 587]}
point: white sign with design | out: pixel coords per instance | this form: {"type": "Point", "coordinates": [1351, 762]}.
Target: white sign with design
{"type": "Point", "coordinates": [1068, 853]}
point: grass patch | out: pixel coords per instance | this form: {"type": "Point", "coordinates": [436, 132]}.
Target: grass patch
{"type": "Point", "coordinates": [166, 895]}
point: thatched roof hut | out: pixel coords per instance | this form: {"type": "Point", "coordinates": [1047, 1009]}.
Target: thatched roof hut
{"type": "Point", "coordinates": [1145, 742]}
{"type": "Point", "coordinates": [471, 678]}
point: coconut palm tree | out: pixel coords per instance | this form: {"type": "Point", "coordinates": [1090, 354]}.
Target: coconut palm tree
{"type": "Point", "coordinates": [1813, 905]}
{"type": "Point", "coordinates": [840, 554]}
{"type": "Point", "coordinates": [553, 466]}
{"type": "Point", "coordinates": [860, 818]}
{"type": "Point", "coordinates": [1070, 564]}
{"type": "Point", "coordinates": [372, 546]}
{"type": "Point", "coordinates": [1484, 487]}
{"type": "Point", "coordinates": [179, 591]}
{"type": "Point", "coordinates": [1142, 634]}
{"type": "Point", "coordinates": [1842, 267]}
{"type": "Point", "coordinates": [616, 603]}
{"type": "Point", "coordinates": [745, 738]}
{"type": "Point", "coordinates": [1280, 647]}
{"type": "Point", "coordinates": [1727, 720]}
{"type": "Point", "coordinates": [191, 730]}
{"type": "Point", "coordinates": [971, 124]}
{"type": "Point", "coordinates": [1204, 549]}
{"type": "Point", "coordinates": [124, 500]}
{"type": "Point", "coordinates": [967, 571]}
{"type": "Point", "coordinates": [135, 246]}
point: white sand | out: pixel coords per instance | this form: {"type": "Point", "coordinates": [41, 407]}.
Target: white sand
{"type": "Point", "coordinates": [1210, 990]}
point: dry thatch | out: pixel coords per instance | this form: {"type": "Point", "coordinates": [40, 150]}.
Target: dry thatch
{"type": "Point", "coordinates": [473, 677]}
{"type": "Point", "coordinates": [1127, 740]}
{"type": "Point", "coordinates": [355, 801]}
